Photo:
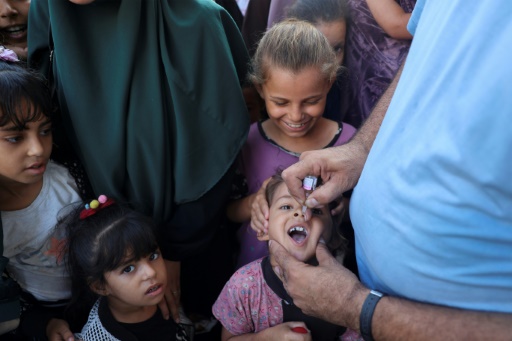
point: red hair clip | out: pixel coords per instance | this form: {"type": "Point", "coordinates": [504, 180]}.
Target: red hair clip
{"type": "Point", "coordinates": [96, 205]}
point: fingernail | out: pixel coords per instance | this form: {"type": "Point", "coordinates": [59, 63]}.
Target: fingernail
{"type": "Point", "coordinates": [277, 271]}
{"type": "Point", "coordinates": [311, 202]}
{"type": "Point", "coordinates": [322, 240]}
{"type": "Point", "coordinates": [269, 243]}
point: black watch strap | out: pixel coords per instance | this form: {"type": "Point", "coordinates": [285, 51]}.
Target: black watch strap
{"type": "Point", "coordinates": [365, 320]}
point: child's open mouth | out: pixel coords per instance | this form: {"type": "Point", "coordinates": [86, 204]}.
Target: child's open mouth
{"type": "Point", "coordinates": [298, 234]}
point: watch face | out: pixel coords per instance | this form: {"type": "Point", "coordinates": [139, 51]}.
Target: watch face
{"type": "Point", "coordinates": [376, 293]}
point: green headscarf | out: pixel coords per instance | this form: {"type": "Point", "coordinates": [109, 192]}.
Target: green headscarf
{"type": "Point", "coordinates": [149, 92]}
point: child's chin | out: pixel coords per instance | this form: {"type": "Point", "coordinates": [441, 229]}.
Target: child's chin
{"type": "Point", "coordinates": [301, 256]}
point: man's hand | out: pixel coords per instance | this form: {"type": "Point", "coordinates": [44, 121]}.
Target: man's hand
{"type": "Point", "coordinates": [338, 167]}
{"type": "Point", "coordinates": [328, 291]}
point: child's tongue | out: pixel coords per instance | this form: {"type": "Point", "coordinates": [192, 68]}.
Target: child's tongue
{"type": "Point", "coordinates": [298, 236]}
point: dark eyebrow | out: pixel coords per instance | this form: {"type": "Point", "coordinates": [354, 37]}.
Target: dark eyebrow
{"type": "Point", "coordinates": [278, 98]}
{"type": "Point", "coordinates": [14, 128]}
{"type": "Point", "coordinates": [284, 197]}
{"type": "Point", "coordinates": [46, 122]}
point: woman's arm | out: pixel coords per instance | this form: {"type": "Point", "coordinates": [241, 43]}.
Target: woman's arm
{"type": "Point", "coordinates": [391, 17]}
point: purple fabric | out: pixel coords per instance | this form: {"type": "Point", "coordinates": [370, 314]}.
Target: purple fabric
{"type": "Point", "coordinates": [8, 55]}
{"type": "Point", "coordinates": [277, 11]}
{"type": "Point", "coordinates": [259, 159]}
{"type": "Point", "coordinates": [372, 58]}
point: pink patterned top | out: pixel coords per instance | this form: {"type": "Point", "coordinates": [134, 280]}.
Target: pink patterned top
{"type": "Point", "coordinates": [248, 305]}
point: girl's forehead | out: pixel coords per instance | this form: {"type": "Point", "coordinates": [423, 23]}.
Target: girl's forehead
{"type": "Point", "coordinates": [280, 191]}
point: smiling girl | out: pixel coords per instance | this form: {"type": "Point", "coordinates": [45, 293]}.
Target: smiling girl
{"type": "Point", "coordinates": [293, 69]}
{"type": "Point", "coordinates": [13, 25]}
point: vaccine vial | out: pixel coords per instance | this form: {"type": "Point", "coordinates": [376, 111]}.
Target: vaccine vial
{"type": "Point", "coordinates": [309, 185]}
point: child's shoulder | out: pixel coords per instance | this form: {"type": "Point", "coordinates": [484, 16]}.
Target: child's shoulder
{"type": "Point", "coordinates": [249, 271]}
{"type": "Point", "coordinates": [247, 278]}
{"type": "Point", "coordinates": [59, 176]}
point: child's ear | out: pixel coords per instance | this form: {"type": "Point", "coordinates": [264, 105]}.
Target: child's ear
{"type": "Point", "coordinates": [99, 288]}
{"type": "Point", "coordinates": [330, 83]}
{"type": "Point", "coordinates": [259, 89]}
{"type": "Point", "coordinates": [263, 237]}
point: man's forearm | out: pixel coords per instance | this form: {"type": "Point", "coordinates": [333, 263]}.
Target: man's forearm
{"type": "Point", "coordinates": [399, 319]}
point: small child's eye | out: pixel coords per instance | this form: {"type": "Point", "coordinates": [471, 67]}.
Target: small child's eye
{"type": "Point", "coordinates": [317, 211]}
{"type": "Point", "coordinates": [13, 139]}
{"type": "Point", "coordinates": [128, 269]}
{"type": "Point", "coordinates": [154, 256]}
{"type": "Point", "coordinates": [313, 102]}
{"type": "Point", "coordinates": [338, 48]}
{"type": "Point", "coordinates": [46, 132]}
{"type": "Point", "coordinates": [286, 207]}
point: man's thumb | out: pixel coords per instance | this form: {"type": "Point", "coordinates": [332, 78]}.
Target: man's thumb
{"type": "Point", "coordinates": [323, 255]}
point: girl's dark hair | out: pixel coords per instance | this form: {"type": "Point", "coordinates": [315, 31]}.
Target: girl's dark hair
{"type": "Point", "coordinates": [102, 242]}
{"type": "Point", "coordinates": [24, 95]}
{"type": "Point", "coordinates": [337, 244]}
{"type": "Point", "coordinates": [316, 11]}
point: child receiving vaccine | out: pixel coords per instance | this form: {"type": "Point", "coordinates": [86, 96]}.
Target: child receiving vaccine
{"type": "Point", "coordinates": [114, 260]}
{"type": "Point", "coordinates": [33, 190]}
{"type": "Point", "coordinates": [254, 303]}
{"type": "Point", "coordinates": [293, 69]}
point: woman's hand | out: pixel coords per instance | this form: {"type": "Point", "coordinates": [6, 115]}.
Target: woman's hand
{"type": "Point", "coordinates": [58, 330]}
{"type": "Point", "coordinates": [259, 211]}
{"type": "Point", "coordinates": [171, 302]}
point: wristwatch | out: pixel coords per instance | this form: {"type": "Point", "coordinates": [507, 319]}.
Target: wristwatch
{"type": "Point", "coordinates": [365, 319]}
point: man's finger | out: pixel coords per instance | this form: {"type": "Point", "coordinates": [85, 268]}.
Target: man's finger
{"type": "Point", "coordinates": [323, 255]}
{"type": "Point", "coordinates": [281, 258]}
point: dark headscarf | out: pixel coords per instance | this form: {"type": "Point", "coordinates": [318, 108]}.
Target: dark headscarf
{"type": "Point", "coordinates": [150, 95]}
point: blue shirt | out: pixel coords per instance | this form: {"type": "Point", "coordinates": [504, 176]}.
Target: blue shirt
{"type": "Point", "coordinates": [432, 210]}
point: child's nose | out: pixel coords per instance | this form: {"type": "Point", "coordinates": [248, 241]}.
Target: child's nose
{"type": "Point", "coordinates": [295, 113]}
{"type": "Point", "coordinates": [298, 212]}
{"type": "Point", "coordinates": [36, 147]}
{"type": "Point", "coordinates": [6, 10]}
{"type": "Point", "coordinates": [149, 271]}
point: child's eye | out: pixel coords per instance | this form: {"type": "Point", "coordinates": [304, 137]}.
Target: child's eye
{"type": "Point", "coordinates": [154, 256]}
{"type": "Point", "coordinates": [317, 211]}
{"type": "Point", "coordinates": [285, 207]}
{"type": "Point", "coordinates": [338, 49]}
{"type": "Point", "coordinates": [14, 139]}
{"type": "Point", "coordinates": [128, 269]}
{"type": "Point", "coordinates": [280, 104]}
{"type": "Point", "coordinates": [313, 102]}
{"type": "Point", "coordinates": [46, 132]}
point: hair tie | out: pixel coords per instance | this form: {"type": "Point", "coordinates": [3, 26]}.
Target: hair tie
{"type": "Point", "coordinates": [96, 205]}
{"type": "Point", "coordinates": [8, 55]}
